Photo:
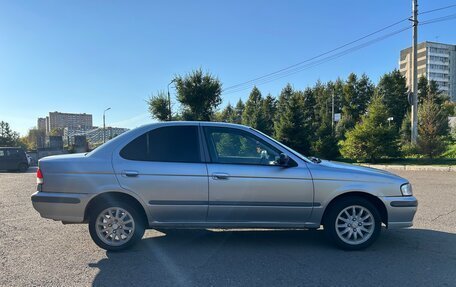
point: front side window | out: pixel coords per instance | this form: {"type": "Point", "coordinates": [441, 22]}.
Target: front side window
{"type": "Point", "coordinates": [166, 144]}
{"type": "Point", "coordinates": [233, 146]}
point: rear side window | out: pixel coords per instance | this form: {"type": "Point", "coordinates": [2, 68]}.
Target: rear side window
{"type": "Point", "coordinates": [167, 144]}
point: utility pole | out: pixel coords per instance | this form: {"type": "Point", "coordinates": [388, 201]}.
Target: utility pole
{"type": "Point", "coordinates": [414, 123]}
{"type": "Point", "coordinates": [169, 102]}
{"type": "Point", "coordinates": [104, 124]}
{"type": "Point", "coordinates": [332, 110]}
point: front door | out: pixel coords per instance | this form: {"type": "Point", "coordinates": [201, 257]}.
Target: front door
{"type": "Point", "coordinates": [164, 167]}
{"type": "Point", "coordinates": [247, 185]}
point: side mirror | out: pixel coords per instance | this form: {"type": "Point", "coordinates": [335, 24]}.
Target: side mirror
{"type": "Point", "coordinates": [283, 160]}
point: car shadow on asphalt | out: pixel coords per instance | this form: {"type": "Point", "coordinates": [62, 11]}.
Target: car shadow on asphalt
{"type": "Point", "coordinates": [279, 257]}
{"type": "Point", "coordinates": [31, 169]}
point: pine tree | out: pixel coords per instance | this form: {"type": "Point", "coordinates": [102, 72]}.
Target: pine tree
{"type": "Point", "coordinates": [253, 113]}
{"type": "Point", "coordinates": [227, 114]}
{"type": "Point", "coordinates": [269, 111]}
{"type": "Point", "coordinates": [238, 111]}
{"type": "Point", "coordinates": [291, 128]}
{"type": "Point", "coordinates": [433, 129]}
{"type": "Point", "coordinates": [159, 107]}
{"type": "Point", "coordinates": [373, 137]}
{"type": "Point", "coordinates": [393, 90]}
{"type": "Point", "coordinates": [199, 95]}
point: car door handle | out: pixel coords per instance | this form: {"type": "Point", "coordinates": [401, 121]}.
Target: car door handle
{"type": "Point", "coordinates": [130, 173]}
{"type": "Point", "coordinates": [220, 175]}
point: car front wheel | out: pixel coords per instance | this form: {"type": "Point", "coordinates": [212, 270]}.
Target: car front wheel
{"type": "Point", "coordinates": [353, 223]}
{"type": "Point", "coordinates": [115, 226]}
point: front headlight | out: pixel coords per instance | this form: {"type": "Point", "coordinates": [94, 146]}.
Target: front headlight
{"type": "Point", "coordinates": [406, 189]}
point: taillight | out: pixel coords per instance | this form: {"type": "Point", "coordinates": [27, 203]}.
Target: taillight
{"type": "Point", "coordinates": [39, 177]}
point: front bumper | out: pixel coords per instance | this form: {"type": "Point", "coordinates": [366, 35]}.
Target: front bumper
{"type": "Point", "coordinates": [67, 207]}
{"type": "Point", "coordinates": [401, 210]}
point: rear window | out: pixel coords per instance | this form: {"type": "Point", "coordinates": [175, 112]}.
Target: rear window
{"type": "Point", "coordinates": [167, 144]}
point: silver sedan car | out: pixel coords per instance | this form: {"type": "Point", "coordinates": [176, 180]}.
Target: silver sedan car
{"type": "Point", "coordinates": [216, 175]}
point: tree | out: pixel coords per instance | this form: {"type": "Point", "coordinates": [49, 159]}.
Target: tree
{"type": "Point", "coordinates": [159, 106]}
{"type": "Point", "coordinates": [357, 94]}
{"type": "Point", "coordinates": [34, 139]}
{"type": "Point", "coordinates": [373, 137]}
{"type": "Point", "coordinates": [406, 131]}
{"type": "Point", "coordinates": [268, 110]}
{"type": "Point", "coordinates": [199, 94]}
{"type": "Point", "coordinates": [318, 109]}
{"type": "Point", "coordinates": [253, 113]}
{"type": "Point", "coordinates": [291, 128]}
{"type": "Point", "coordinates": [238, 111]}
{"type": "Point", "coordinates": [393, 90]}
{"type": "Point", "coordinates": [227, 114]}
{"type": "Point", "coordinates": [433, 128]}
{"type": "Point", "coordinates": [430, 90]}
{"type": "Point", "coordinates": [7, 136]}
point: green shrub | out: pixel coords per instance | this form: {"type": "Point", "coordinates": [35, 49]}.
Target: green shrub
{"type": "Point", "coordinates": [372, 138]}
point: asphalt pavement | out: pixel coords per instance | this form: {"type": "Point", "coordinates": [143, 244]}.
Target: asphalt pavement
{"type": "Point", "coordinates": [40, 252]}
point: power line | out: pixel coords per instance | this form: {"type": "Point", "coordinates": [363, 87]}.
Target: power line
{"type": "Point", "coordinates": [439, 19]}
{"type": "Point", "coordinates": [320, 61]}
{"type": "Point", "coordinates": [437, 9]}
{"type": "Point", "coordinates": [314, 61]}
{"type": "Point", "coordinates": [318, 56]}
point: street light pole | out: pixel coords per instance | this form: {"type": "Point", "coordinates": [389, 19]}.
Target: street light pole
{"type": "Point", "coordinates": [169, 102]}
{"type": "Point", "coordinates": [414, 115]}
{"type": "Point", "coordinates": [104, 124]}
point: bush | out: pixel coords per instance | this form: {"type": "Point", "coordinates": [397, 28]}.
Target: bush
{"type": "Point", "coordinates": [373, 138]}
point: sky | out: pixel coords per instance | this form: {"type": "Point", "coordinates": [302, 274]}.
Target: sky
{"type": "Point", "coordinates": [86, 56]}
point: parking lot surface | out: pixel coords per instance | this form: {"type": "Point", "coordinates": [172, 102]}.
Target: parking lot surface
{"type": "Point", "coordinates": [36, 251]}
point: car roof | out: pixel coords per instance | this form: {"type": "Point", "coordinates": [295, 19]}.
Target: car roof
{"type": "Point", "coordinates": [203, 123]}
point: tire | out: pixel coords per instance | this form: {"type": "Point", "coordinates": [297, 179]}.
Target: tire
{"type": "Point", "coordinates": [23, 167]}
{"type": "Point", "coordinates": [353, 232]}
{"type": "Point", "coordinates": [120, 226]}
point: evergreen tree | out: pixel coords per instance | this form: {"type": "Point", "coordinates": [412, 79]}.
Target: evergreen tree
{"type": "Point", "coordinates": [268, 111]}
{"type": "Point", "coordinates": [433, 128]}
{"type": "Point", "coordinates": [393, 90]}
{"type": "Point", "coordinates": [253, 113]}
{"type": "Point", "coordinates": [7, 136]}
{"type": "Point", "coordinates": [406, 131]}
{"type": "Point", "coordinates": [238, 111]}
{"type": "Point", "coordinates": [227, 114]}
{"type": "Point", "coordinates": [158, 107]}
{"type": "Point", "coordinates": [199, 95]}
{"type": "Point", "coordinates": [291, 128]}
{"type": "Point", "coordinates": [430, 90]}
{"type": "Point", "coordinates": [373, 137]}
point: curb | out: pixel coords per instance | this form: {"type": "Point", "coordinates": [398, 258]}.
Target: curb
{"type": "Point", "coordinates": [450, 168]}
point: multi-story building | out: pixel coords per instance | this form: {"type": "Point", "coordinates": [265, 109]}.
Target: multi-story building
{"type": "Point", "coordinates": [57, 120]}
{"type": "Point", "coordinates": [436, 61]}
{"type": "Point", "coordinates": [41, 124]}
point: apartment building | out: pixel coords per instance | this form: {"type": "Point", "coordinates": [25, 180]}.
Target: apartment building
{"type": "Point", "coordinates": [436, 61]}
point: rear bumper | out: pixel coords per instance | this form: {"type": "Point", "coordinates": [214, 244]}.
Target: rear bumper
{"type": "Point", "coordinates": [401, 210]}
{"type": "Point", "coordinates": [68, 207]}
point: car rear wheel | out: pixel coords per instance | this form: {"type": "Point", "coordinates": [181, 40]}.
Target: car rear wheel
{"type": "Point", "coordinates": [353, 223]}
{"type": "Point", "coordinates": [115, 226]}
{"type": "Point", "coordinates": [23, 167]}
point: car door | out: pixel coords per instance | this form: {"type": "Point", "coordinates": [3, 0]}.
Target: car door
{"type": "Point", "coordinates": [247, 185]}
{"type": "Point", "coordinates": [164, 167]}
{"type": "Point", "coordinates": [2, 159]}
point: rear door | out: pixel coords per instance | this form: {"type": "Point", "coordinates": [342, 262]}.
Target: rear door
{"type": "Point", "coordinates": [247, 185]}
{"type": "Point", "coordinates": [2, 159]}
{"type": "Point", "coordinates": [164, 166]}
